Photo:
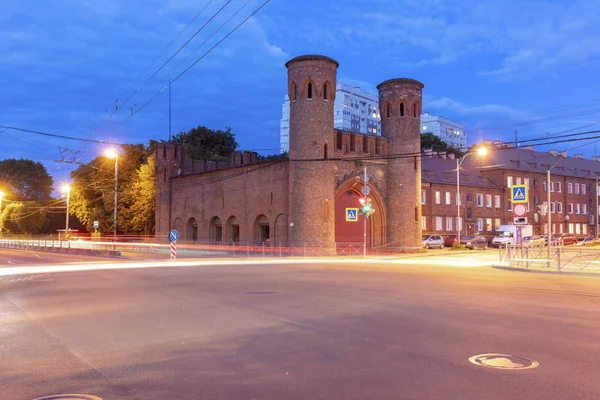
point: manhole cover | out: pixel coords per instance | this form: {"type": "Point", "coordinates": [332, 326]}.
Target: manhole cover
{"type": "Point", "coordinates": [503, 361]}
{"type": "Point", "coordinates": [260, 292]}
{"type": "Point", "coordinates": [69, 397]}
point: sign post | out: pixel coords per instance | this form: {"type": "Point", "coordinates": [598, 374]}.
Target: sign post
{"type": "Point", "coordinates": [173, 236]}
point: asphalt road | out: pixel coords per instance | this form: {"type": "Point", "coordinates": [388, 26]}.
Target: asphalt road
{"type": "Point", "coordinates": [298, 332]}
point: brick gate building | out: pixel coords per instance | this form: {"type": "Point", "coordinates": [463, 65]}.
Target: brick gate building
{"type": "Point", "coordinates": [304, 199]}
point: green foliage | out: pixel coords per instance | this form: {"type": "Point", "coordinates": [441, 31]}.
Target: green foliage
{"type": "Point", "coordinates": [24, 179]}
{"type": "Point", "coordinates": [143, 194]}
{"type": "Point", "coordinates": [202, 143]}
{"type": "Point", "coordinates": [457, 246]}
{"type": "Point", "coordinates": [274, 157]}
{"type": "Point", "coordinates": [431, 141]}
{"type": "Point", "coordinates": [92, 191]}
{"type": "Point", "coordinates": [25, 218]}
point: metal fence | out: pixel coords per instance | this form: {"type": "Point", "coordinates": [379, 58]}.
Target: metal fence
{"type": "Point", "coordinates": [561, 257]}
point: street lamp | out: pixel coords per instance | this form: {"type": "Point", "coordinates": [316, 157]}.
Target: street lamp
{"type": "Point", "coordinates": [481, 151]}
{"type": "Point", "coordinates": [112, 153]}
{"type": "Point", "coordinates": [1, 220]}
{"type": "Point", "coordinates": [67, 191]}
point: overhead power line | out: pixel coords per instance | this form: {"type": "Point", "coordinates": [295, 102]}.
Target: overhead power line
{"type": "Point", "coordinates": [58, 136]}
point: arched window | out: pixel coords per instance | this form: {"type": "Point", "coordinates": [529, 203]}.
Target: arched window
{"type": "Point", "coordinates": [402, 109]}
{"type": "Point", "coordinates": [415, 110]}
{"type": "Point", "coordinates": [386, 108]}
{"type": "Point", "coordinates": [294, 92]}
{"type": "Point", "coordinates": [310, 90]}
{"type": "Point", "coordinates": [325, 91]}
{"type": "Point", "coordinates": [164, 151]}
{"type": "Point", "coordinates": [325, 151]}
{"type": "Point", "coordinates": [164, 175]}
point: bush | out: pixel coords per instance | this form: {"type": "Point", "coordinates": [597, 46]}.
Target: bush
{"type": "Point", "coordinates": [457, 246]}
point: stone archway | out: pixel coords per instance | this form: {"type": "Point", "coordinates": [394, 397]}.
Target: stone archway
{"type": "Point", "coordinates": [348, 232]}
{"type": "Point", "coordinates": [262, 230]}
{"type": "Point", "coordinates": [215, 231]}
{"type": "Point", "coordinates": [191, 231]}
{"type": "Point", "coordinates": [232, 230]}
{"type": "Point", "coordinates": [280, 233]}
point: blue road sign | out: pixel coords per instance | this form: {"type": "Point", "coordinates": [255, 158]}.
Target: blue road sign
{"type": "Point", "coordinates": [351, 214]}
{"type": "Point", "coordinates": [173, 235]}
{"type": "Point", "coordinates": [518, 194]}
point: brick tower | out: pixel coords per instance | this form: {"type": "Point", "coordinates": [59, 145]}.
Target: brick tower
{"type": "Point", "coordinates": [168, 162]}
{"type": "Point", "coordinates": [400, 107]}
{"type": "Point", "coordinates": [311, 88]}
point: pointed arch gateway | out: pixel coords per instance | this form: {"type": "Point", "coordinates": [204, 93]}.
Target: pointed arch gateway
{"type": "Point", "coordinates": [347, 196]}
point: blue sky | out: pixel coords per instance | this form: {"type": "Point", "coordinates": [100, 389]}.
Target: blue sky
{"type": "Point", "coordinates": [492, 66]}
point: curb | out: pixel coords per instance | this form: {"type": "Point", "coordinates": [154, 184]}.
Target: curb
{"type": "Point", "coordinates": [66, 250]}
{"type": "Point", "coordinates": [543, 272]}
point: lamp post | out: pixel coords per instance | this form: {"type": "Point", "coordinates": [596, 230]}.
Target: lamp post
{"type": "Point", "coordinates": [67, 191]}
{"type": "Point", "coordinates": [481, 151]}
{"type": "Point", "coordinates": [112, 153]}
{"type": "Point", "coordinates": [1, 220]}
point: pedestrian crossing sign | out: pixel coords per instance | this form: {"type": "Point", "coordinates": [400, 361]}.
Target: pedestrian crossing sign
{"type": "Point", "coordinates": [519, 194]}
{"type": "Point", "coordinates": [351, 214]}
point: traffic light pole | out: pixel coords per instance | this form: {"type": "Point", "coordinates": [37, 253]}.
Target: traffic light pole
{"type": "Point", "coordinates": [549, 218]}
{"type": "Point", "coordinates": [366, 180]}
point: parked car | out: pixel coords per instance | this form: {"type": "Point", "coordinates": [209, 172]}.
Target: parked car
{"type": "Point", "coordinates": [533, 241]}
{"type": "Point", "coordinates": [563, 239]}
{"type": "Point", "coordinates": [434, 241]}
{"type": "Point", "coordinates": [585, 241]}
{"type": "Point", "coordinates": [474, 242]}
{"type": "Point", "coordinates": [450, 240]}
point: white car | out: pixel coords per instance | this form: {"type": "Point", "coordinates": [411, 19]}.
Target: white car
{"type": "Point", "coordinates": [434, 241]}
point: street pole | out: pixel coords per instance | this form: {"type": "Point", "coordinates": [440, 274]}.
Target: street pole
{"type": "Point", "coordinates": [549, 218]}
{"type": "Point", "coordinates": [595, 212]}
{"type": "Point", "coordinates": [116, 196]}
{"type": "Point", "coordinates": [1, 220]}
{"type": "Point", "coordinates": [365, 217]}
{"type": "Point", "coordinates": [169, 110]}
{"type": "Point", "coordinates": [67, 217]}
{"type": "Point", "coordinates": [458, 199]}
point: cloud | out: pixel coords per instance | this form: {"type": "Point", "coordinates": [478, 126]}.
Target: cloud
{"type": "Point", "coordinates": [457, 108]}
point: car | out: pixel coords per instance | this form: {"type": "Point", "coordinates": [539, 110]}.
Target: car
{"type": "Point", "coordinates": [450, 240]}
{"type": "Point", "coordinates": [563, 239]}
{"type": "Point", "coordinates": [584, 241]}
{"type": "Point", "coordinates": [474, 242]}
{"type": "Point", "coordinates": [533, 241]}
{"type": "Point", "coordinates": [434, 241]}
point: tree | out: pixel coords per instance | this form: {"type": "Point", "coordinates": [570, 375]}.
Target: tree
{"type": "Point", "coordinates": [202, 143]}
{"type": "Point", "coordinates": [92, 191]}
{"type": "Point", "coordinates": [26, 218]}
{"type": "Point", "coordinates": [274, 157]}
{"type": "Point", "coordinates": [431, 141]}
{"type": "Point", "coordinates": [24, 179]}
{"type": "Point", "coordinates": [143, 195]}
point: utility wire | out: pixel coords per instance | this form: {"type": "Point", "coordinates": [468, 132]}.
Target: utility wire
{"type": "Point", "coordinates": [58, 136]}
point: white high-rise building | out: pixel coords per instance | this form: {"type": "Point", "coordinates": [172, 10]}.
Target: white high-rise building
{"type": "Point", "coordinates": [354, 111]}
{"type": "Point", "coordinates": [358, 111]}
{"type": "Point", "coordinates": [450, 132]}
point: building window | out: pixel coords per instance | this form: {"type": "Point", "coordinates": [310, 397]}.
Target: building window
{"type": "Point", "coordinates": [509, 181]}
{"type": "Point", "coordinates": [415, 110]}
{"type": "Point", "coordinates": [497, 201]}
{"type": "Point", "coordinates": [583, 188]}
{"type": "Point", "coordinates": [325, 91]}
{"type": "Point", "coordinates": [449, 223]}
{"type": "Point", "coordinates": [518, 179]}
{"type": "Point", "coordinates": [423, 196]}
{"type": "Point", "coordinates": [469, 213]}
{"type": "Point", "coordinates": [438, 197]}
{"type": "Point", "coordinates": [424, 223]}
{"type": "Point", "coordinates": [310, 90]}
{"type": "Point", "coordinates": [536, 217]}
{"type": "Point", "coordinates": [536, 200]}
{"type": "Point", "coordinates": [544, 185]}
{"type": "Point", "coordinates": [569, 187]}
{"type": "Point", "coordinates": [402, 109]}
{"type": "Point", "coordinates": [469, 197]}
{"type": "Point", "coordinates": [526, 182]}
{"type": "Point", "coordinates": [551, 186]}
{"type": "Point", "coordinates": [438, 223]}
{"type": "Point", "coordinates": [386, 108]}
{"type": "Point", "coordinates": [584, 208]}
{"type": "Point", "coordinates": [552, 208]}
{"type": "Point", "coordinates": [488, 200]}
{"type": "Point", "coordinates": [559, 187]}
{"type": "Point", "coordinates": [570, 208]}
{"type": "Point", "coordinates": [576, 188]}
{"type": "Point", "coordinates": [479, 224]}
{"type": "Point", "coordinates": [294, 94]}
{"type": "Point", "coordinates": [535, 183]}
{"type": "Point", "coordinates": [448, 198]}
{"type": "Point", "coordinates": [479, 200]}
{"type": "Point", "coordinates": [584, 229]}
{"type": "Point", "coordinates": [571, 228]}
{"type": "Point", "coordinates": [577, 208]}
{"type": "Point", "coordinates": [559, 208]}
{"type": "Point", "coordinates": [488, 224]}
{"type": "Point", "coordinates": [510, 205]}
{"type": "Point", "coordinates": [497, 223]}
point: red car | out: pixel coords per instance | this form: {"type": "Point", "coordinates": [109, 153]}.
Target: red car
{"type": "Point", "coordinates": [450, 240]}
{"type": "Point", "coordinates": [563, 239]}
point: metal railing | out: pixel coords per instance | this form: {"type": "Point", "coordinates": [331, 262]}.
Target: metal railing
{"type": "Point", "coordinates": [561, 257]}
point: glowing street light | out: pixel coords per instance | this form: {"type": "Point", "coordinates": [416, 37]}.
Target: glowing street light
{"type": "Point", "coordinates": [112, 153]}
{"type": "Point", "coordinates": [66, 189]}
{"type": "Point", "coordinates": [1, 221]}
{"type": "Point", "coordinates": [481, 151]}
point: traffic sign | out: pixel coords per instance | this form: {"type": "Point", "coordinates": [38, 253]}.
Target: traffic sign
{"type": "Point", "coordinates": [366, 190]}
{"type": "Point", "coordinates": [173, 235]}
{"type": "Point", "coordinates": [520, 220]}
{"type": "Point", "coordinates": [519, 210]}
{"type": "Point", "coordinates": [519, 194]}
{"type": "Point", "coordinates": [96, 224]}
{"type": "Point", "coordinates": [351, 214]}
